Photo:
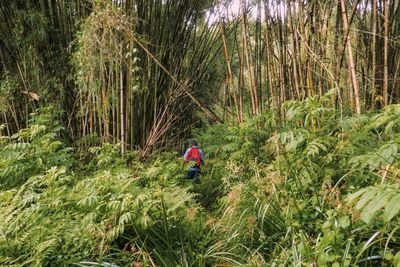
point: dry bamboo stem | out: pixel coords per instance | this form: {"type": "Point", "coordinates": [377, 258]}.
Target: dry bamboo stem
{"type": "Point", "coordinates": [351, 62]}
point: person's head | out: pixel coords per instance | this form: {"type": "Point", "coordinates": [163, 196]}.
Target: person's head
{"type": "Point", "coordinates": [193, 142]}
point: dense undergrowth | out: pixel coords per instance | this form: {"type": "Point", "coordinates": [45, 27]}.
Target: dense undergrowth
{"type": "Point", "coordinates": [314, 190]}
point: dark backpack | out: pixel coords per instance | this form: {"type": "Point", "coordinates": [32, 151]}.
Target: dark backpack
{"type": "Point", "coordinates": [194, 154]}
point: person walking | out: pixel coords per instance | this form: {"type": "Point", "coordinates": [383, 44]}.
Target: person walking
{"type": "Point", "coordinates": [194, 155]}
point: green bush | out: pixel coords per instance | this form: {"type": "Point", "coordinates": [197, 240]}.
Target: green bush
{"type": "Point", "coordinates": [314, 188]}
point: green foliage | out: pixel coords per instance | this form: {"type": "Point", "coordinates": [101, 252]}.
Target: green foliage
{"type": "Point", "coordinates": [269, 194]}
{"type": "Point", "coordinates": [374, 199]}
{"type": "Point", "coordinates": [304, 168]}
{"type": "Point", "coordinates": [63, 214]}
{"type": "Point", "coordinates": [33, 150]}
{"type": "Point", "coordinates": [8, 85]}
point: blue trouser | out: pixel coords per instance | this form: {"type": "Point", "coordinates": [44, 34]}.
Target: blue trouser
{"type": "Point", "coordinates": [192, 171]}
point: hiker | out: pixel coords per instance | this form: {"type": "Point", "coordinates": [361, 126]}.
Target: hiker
{"type": "Point", "coordinates": [193, 153]}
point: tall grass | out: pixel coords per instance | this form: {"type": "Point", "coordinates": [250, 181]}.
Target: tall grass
{"type": "Point", "coordinates": [316, 189]}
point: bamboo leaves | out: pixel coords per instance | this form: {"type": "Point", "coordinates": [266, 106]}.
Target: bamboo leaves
{"type": "Point", "coordinates": [100, 67]}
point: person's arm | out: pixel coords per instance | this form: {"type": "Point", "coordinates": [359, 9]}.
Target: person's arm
{"type": "Point", "coordinates": [201, 155]}
{"type": "Point", "coordinates": [186, 153]}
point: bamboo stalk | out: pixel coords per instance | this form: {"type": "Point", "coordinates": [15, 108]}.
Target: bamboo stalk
{"type": "Point", "coordinates": [249, 60]}
{"type": "Point", "coordinates": [385, 53]}
{"type": "Point", "coordinates": [351, 62]}
{"type": "Point", "coordinates": [122, 110]}
{"type": "Point", "coordinates": [373, 81]}
{"type": "Point", "coordinates": [229, 79]}
{"type": "Point", "coordinates": [294, 58]}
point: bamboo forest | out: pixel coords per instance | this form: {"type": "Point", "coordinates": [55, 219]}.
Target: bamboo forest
{"type": "Point", "coordinates": [199, 133]}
